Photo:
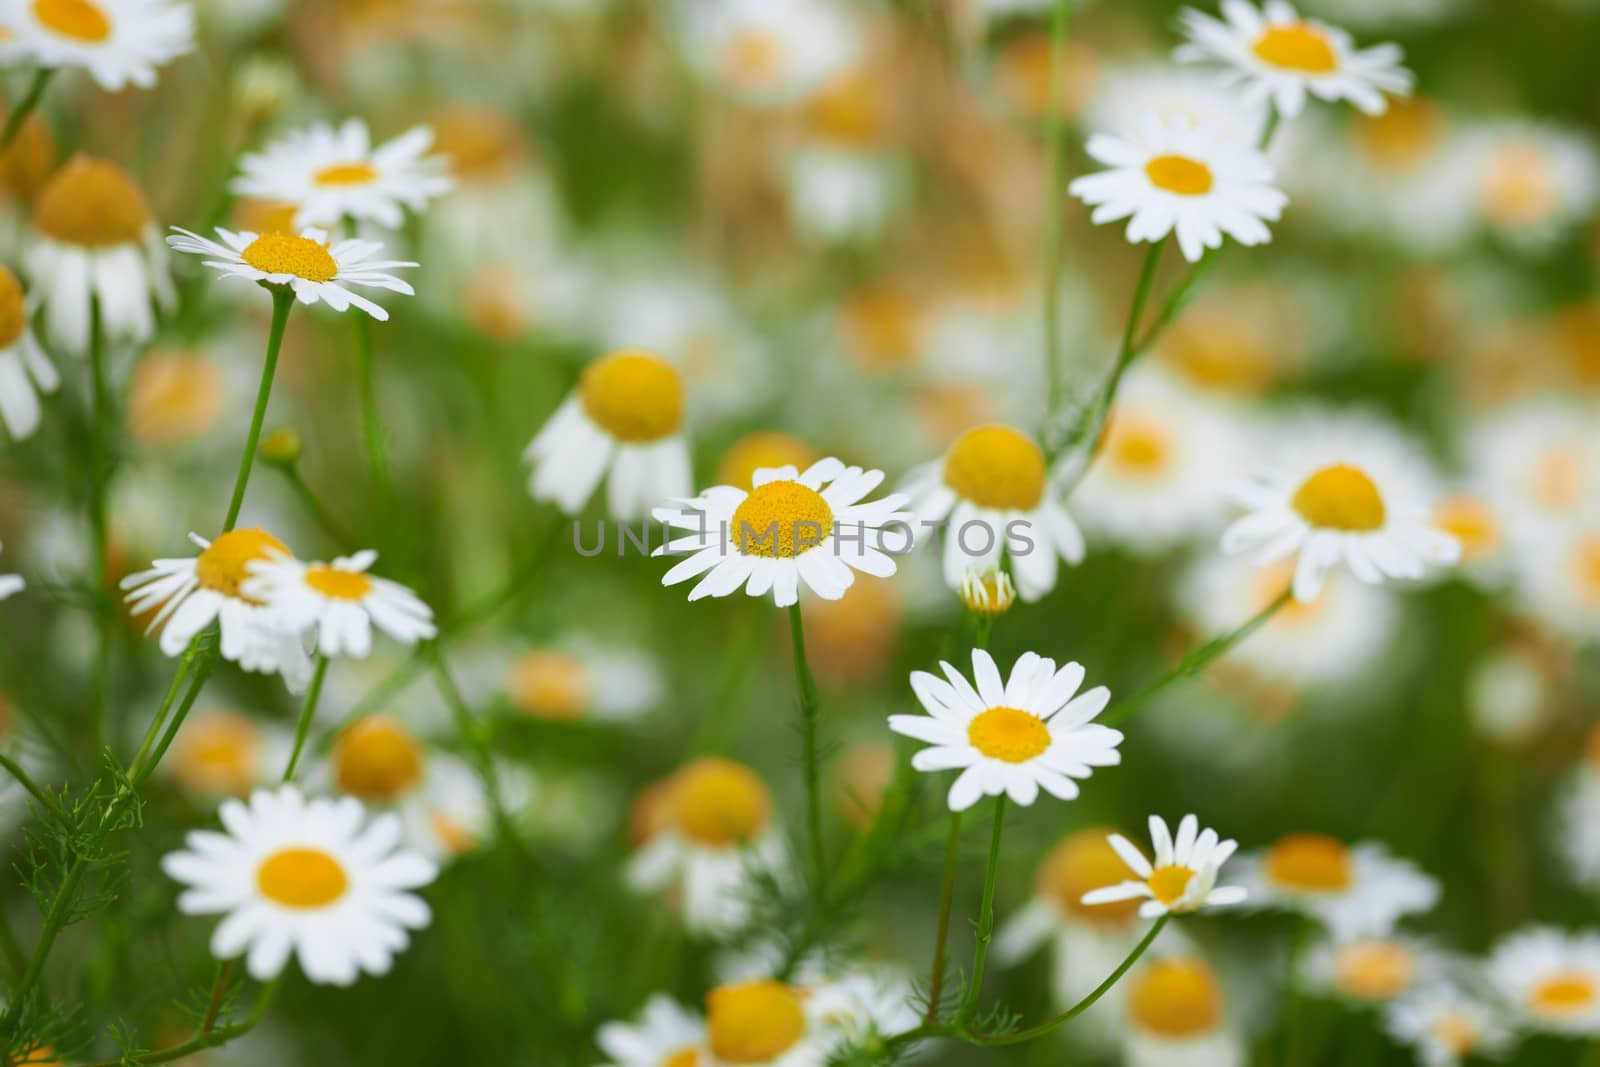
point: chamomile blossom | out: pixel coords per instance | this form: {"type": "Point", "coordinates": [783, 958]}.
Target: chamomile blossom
{"type": "Point", "coordinates": [1550, 978]}
{"type": "Point", "coordinates": [1560, 577]}
{"type": "Point", "coordinates": [708, 830]}
{"type": "Point", "coordinates": [1356, 890]}
{"type": "Point", "coordinates": [1177, 177]}
{"type": "Point", "coordinates": [1176, 1016]}
{"type": "Point", "coordinates": [624, 424]}
{"type": "Point", "coordinates": [25, 368]}
{"type": "Point", "coordinates": [766, 53]}
{"type": "Point", "coordinates": [1341, 489]}
{"type": "Point", "coordinates": [336, 173]}
{"type": "Point", "coordinates": [1366, 971]}
{"type": "Point", "coordinates": [1015, 737]}
{"type": "Point", "coordinates": [317, 271]}
{"type": "Point", "coordinates": [583, 679]}
{"type": "Point", "coordinates": [1276, 55]}
{"type": "Point", "coordinates": [993, 493]}
{"type": "Point", "coordinates": [1446, 1025]}
{"type": "Point", "coordinates": [221, 753]}
{"type": "Point", "coordinates": [189, 594]}
{"type": "Point", "coordinates": [791, 528]}
{"type": "Point", "coordinates": [313, 878]}
{"type": "Point", "coordinates": [1127, 97]}
{"type": "Point", "coordinates": [1183, 876]}
{"type": "Point", "coordinates": [118, 42]}
{"type": "Point", "coordinates": [94, 245]}
{"type": "Point", "coordinates": [665, 1035]}
{"type": "Point", "coordinates": [340, 601]}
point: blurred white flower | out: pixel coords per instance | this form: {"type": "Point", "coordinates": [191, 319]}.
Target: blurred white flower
{"type": "Point", "coordinates": [766, 53]}
{"type": "Point", "coordinates": [1550, 978]}
{"type": "Point", "coordinates": [25, 368]}
{"type": "Point", "coordinates": [118, 42]}
{"type": "Point", "coordinates": [1447, 1025]}
{"type": "Point", "coordinates": [1354, 890]}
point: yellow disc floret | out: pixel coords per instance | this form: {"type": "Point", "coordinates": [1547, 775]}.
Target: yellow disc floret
{"type": "Point", "coordinates": [634, 395]}
{"type": "Point", "coordinates": [759, 451]}
{"type": "Point", "coordinates": [1375, 970]}
{"type": "Point", "coordinates": [1586, 568]}
{"type": "Point", "coordinates": [216, 753]}
{"type": "Point", "coordinates": [754, 1022]}
{"type": "Point", "coordinates": [1137, 445]}
{"type": "Point", "coordinates": [13, 313]}
{"type": "Point", "coordinates": [1340, 497]}
{"type": "Point", "coordinates": [1179, 174]}
{"type": "Point", "coordinates": [549, 684]}
{"type": "Point", "coordinates": [1561, 996]}
{"type": "Point", "coordinates": [719, 803]}
{"type": "Point", "coordinates": [225, 564]}
{"type": "Point", "coordinates": [1008, 734]}
{"type": "Point", "coordinates": [91, 203]}
{"type": "Point", "coordinates": [79, 19]}
{"type": "Point", "coordinates": [1309, 862]}
{"type": "Point", "coordinates": [301, 257]}
{"type": "Point", "coordinates": [996, 467]}
{"type": "Point", "coordinates": [174, 397]}
{"type": "Point", "coordinates": [1299, 46]}
{"type": "Point", "coordinates": [377, 760]}
{"type": "Point", "coordinates": [1083, 862]}
{"type": "Point", "coordinates": [781, 520]}
{"type": "Point", "coordinates": [347, 174]}
{"type": "Point", "coordinates": [302, 878]}
{"type": "Point", "coordinates": [338, 584]}
{"type": "Point", "coordinates": [1176, 998]}
{"type": "Point", "coordinates": [1169, 883]}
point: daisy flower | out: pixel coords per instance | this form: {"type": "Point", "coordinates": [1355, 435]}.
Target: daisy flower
{"type": "Point", "coordinates": [1355, 890]}
{"type": "Point", "coordinates": [188, 595]}
{"type": "Point", "coordinates": [93, 243]}
{"type": "Point", "coordinates": [1176, 1016]}
{"type": "Point", "coordinates": [1341, 489]}
{"type": "Point", "coordinates": [1560, 578]}
{"type": "Point", "coordinates": [781, 1024]}
{"type": "Point", "coordinates": [766, 53]}
{"type": "Point", "coordinates": [583, 680]}
{"type": "Point", "coordinates": [1276, 55]}
{"type": "Point", "coordinates": [1183, 877]}
{"type": "Point", "coordinates": [666, 1035]}
{"type": "Point", "coordinates": [1373, 970]}
{"type": "Point", "coordinates": [336, 174]}
{"type": "Point", "coordinates": [1551, 979]}
{"type": "Point", "coordinates": [624, 420]}
{"type": "Point", "coordinates": [1034, 730]}
{"type": "Point", "coordinates": [1126, 98]}
{"type": "Point", "coordinates": [25, 369]}
{"type": "Point", "coordinates": [225, 754]}
{"type": "Point", "coordinates": [310, 877]}
{"type": "Point", "coordinates": [341, 601]}
{"type": "Point", "coordinates": [317, 271]}
{"type": "Point", "coordinates": [118, 42]}
{"type": "Point", "coordinates": [1175, 176]}
{"type": "Point", "coordinates": [993, 493]}
{"type": "Point", "coordinates": [709, 830]}
{"type": "Point", "coordinates": [789, 528]}
{"type": "Point", "coordinates": [1446, 1025]}
{"type": "Point", "coordinates": [1531, 181]}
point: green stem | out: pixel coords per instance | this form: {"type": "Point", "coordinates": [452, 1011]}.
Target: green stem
{"type": "Point", "coordinates": [372, 422]}
{"type": "Point", "coordinates": [1195, 661]}
{"type": "Point", "coordinates": [173, 690]}
{"type": "Point", "coordinates": [1055, 201]}
{"type": "Point", "coordinates": [282, 301]}
{"type": "Point", "coordinates": [810, 711]}
{"type": "Point", "coordinates": [317, 510]}
{"type": "Point", "coordinates": [307, 712]}
{"type": "Point", "coordinates": [477, 739]}
{"type": "Point", "coordinates": [16, 963]}
{"type": "Point", "coordinates": [197, 682]}
{"type": "Point", "coordinates": [207, 1038]}
{"type": "Point", "coordinates": [45, 801]}
{"type": "Point", "coordinates": [29, 104]}
{"type": "Point", "coordinates": [980, 958]}
{"type": "Point", "coordinates": [947, 892]}
{"type": "Point", "coordinates": [101, 461]}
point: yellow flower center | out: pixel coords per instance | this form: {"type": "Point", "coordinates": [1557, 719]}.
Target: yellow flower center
{"type": "Point", "coordinates": [1470, 522]}
{"type": "Point", "coordinates": [635, 396]}
{"type": "Point", "coordinates": [478, 141]}
{"type": "Point", "coordinates": [1563, 995]}
{"type": "Point", "coordinates": [174, 397]}
{"type": "Point", "coordinates": [1518, 188]}
{"type": "Point", "coordinates": [549, 684]}
{"type": "Point", "coordinates": [752, 59]}
{"type": "Point", "coordinates": [216, 753]}
{"type": "Point", "coordinates": [1309, 862]}
{"type": "Point", "coordinates": [1456, 1033]}
{"type": "Point", "coordinates": [338, 584]}
{"type": "Point", "coordinates": [720, 803]}
{"type": "Point", "coordinates": [265, 216]}
{"type": "Point", "coordinates": [1340, 497]}
{"type": "Point", "coordinates": [455, 837]}
{"type": "Point", "coordinates": [282, 253]}
{"type": "Point", "coordinates": [1218, 347]}
{"type": "Point", "coordinates": [78, 19]}
{"type": "Point", "coordinates": [1176, 998]}
{"type": "Point", "coordinates": [1179, 174]}
{"type": "Point", "coordinates": [850, 110]}
{"type": "Point", "coordinates": [757, 451]}
{"type": "Point", "coordinates": [781, 520]}
{"type": "Point", "coordinates": [1169, 883]}
{"type": "Point", "coordinates": [301, 878]}
{"type": "Point", "coordinates": [347, 174]}
{"type": "Point", "coordinates": [684, 1057]}
{"type": "Point", "coordinates": [1558, 478]}
{"type": "Point", "coordinates": [1298, 46]}
{"type": "Point", "coordinates": [1375, 970]}
{"type": "Point", "coordinates": [1400, 138]}
{"type": "Point", "coordinates": [1586, 568]}
{"type": "Point", "coordinates": [1008, 734]}
{"type": "Point", "coordinates": [996, 467]}
{"type": "Point", "coordinates": [377, 760]}
{"type": "Point", "coordinates": [1082, 862]}
{"type": "Point", "coordinates": [1138, 446]}
{"type": "Point", "coordinates": [754, 1022]}
{"type": "Point", "coordinates": [93, 204]}
{"type": "Point", "coordinates": [13, 313]}
{"type": "Point", "coordinates": [882, 327]}
{"type": "Point", "coordinates": [225, 563]}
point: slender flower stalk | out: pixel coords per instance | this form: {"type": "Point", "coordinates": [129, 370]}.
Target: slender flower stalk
{"type": "Point", "coordinates": [282, 301]}
{"type": "Point", "coordinates": [371, 420]}
{"type": "Point", "coordinates": [810, 711]}
{"type": "Point", "coordinates": [1056, 133]}
{"type": "Point", "coordinates": [26, 106]}
{"type": "Point", "coordinates": [980, 958]}
{"type": "Point", "coordinates": [308, 712]}
{"type": "Point", "coordinates": [478, 740]}
{"type": "Point", "coordinates": [102, 459]}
